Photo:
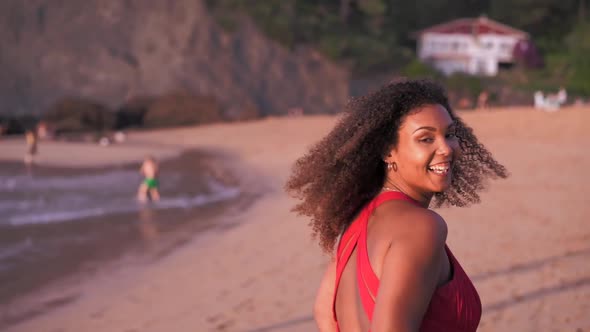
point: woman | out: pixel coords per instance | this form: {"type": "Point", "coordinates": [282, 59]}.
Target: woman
{"type": "Point", "coordinates": [367, 187]}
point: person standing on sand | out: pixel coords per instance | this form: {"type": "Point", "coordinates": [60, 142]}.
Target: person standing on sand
{"type": "Point", "coordinates": [482, 100]}
{"type": "Point", "coordinates": [31, 141]}
{"type": "Point", "coordinates": [149, 169]}
{"type": "Point", "coordinates": [367, 187]}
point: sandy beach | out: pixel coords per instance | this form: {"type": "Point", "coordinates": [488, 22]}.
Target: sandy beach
{"type": "Point", "coordinates": [526, 246]}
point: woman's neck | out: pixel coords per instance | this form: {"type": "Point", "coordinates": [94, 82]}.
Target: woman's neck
{"type": "Point", "coordinates": [422, 199]}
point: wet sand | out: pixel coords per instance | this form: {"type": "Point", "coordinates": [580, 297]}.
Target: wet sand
{"type": "Point", "coordinates": [64, 252]}
{"type": "Point", "coordinates": [526, 246]}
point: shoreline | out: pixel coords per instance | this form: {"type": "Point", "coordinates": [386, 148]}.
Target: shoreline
{"type": "Point", "coordinates": [150, 235]}
{"type": "Point", "coordinates": [87, 155]}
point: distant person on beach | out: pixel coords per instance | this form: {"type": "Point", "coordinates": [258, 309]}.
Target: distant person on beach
{"type": "Point", "coordinates": [367, 187]}
{"type": "Point", "coordinates": [149, 169]}
{"type": "Point", "coordinates": [31, 140]}
{"type": "Point", "coordinates": [561, 96]}
{"type": "Point", "coordinates": [295, 111]}
{"type": "Point", "coordinates": [550, 102]}
{"type": "Point", "coordinates": [482, 100]}
{"type": "Point", "coordinates": [43, 131]}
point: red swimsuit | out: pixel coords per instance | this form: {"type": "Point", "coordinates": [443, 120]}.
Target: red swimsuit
{"type": "Point", "coordinates": [454, 306]}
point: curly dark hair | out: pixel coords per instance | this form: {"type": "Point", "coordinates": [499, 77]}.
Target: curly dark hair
{"type": "Point", "coordinates": [345, 170]}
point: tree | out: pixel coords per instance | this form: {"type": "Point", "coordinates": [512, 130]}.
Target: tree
{"type": "Point", "coordinates": [546, 20]}
{"type": "Point", "coordinates": [579, 48]}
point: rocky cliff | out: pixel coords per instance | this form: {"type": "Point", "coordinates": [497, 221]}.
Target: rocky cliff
{"type": "Point", "coordinates": [112, 51]}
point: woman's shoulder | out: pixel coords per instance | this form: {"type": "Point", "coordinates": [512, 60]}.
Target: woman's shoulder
{"type": "Point", "coordinates": [405, 221]}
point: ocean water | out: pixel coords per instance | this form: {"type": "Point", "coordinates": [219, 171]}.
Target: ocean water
{"type": "Point", "coordinates": [53, 221]}
{"type": "Point", "coordinates": [26, 199]}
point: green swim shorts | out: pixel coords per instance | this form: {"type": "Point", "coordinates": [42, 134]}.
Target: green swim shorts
{"type": "Point", "coordinates": [151, 183]}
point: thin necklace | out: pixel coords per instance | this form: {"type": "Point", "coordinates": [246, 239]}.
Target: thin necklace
{"type": "Point", "coordinates": [386, 189]}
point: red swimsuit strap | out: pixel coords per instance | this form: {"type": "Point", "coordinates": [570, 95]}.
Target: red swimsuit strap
{"type": "Point", "coordinates": [356, 236]}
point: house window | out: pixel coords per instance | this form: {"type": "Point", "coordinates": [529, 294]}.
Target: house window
{"type": "Point", "coordinates": [489, 45]}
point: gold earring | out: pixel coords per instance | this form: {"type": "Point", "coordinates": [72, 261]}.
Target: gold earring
{"type": "Point", "coordinates": [392, 166]}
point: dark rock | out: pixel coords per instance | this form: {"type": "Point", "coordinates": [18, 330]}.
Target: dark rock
{"type": "Point", "coordinates": [112, 51]}
{"type": "Point", "coordinates": [244, 112]}
{"type": "Point", "coordinates": [182, 109]}
{"type": "Point", "coordinates": [16, 125]}
{"type": "Point", "coordinates": [132, 112]}
{"type": "Point", "coordinates": [76, 115]}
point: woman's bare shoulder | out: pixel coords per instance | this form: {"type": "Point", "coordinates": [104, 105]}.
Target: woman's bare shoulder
{"type": "Point", "coordinates": [403, 220]}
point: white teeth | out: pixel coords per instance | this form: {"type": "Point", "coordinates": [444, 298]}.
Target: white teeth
{"type": "Point", "coordinates": [439, 169]}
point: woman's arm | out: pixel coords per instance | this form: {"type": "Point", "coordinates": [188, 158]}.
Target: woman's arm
{"type": "Point", "coordinates": [324, 301]}
{"type": "Point", "coordinates": [411, 271]}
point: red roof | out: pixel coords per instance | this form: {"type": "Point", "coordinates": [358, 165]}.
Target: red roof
{"type": "Point", "coordinates": [474, 26]}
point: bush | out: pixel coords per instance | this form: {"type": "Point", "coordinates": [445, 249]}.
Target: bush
{"type": "Point", "coordinates": [464, 84]}
{"type": "Point", "coordinates": [418, 69]}
{"type": "Point", "coordinates": [579, 47]}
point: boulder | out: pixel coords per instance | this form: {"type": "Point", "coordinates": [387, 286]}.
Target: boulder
{"type": "Point", "coordinates": [182, 109]}
{"type": "Point", "coordinates": [77, 115]}
{"type": "Point", "coordinates": [17, 125]}
{"type": "Point", "coordinates": [132, 112]}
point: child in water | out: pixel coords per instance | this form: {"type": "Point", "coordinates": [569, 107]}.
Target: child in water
{"type": "Point", "coordinates": [149, 169]}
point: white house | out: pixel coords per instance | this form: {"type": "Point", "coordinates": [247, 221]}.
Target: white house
{"type": "Point", "coordinates": [476, 46]}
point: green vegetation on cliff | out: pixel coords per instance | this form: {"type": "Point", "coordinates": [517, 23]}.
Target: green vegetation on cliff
{"type": "Point", "coordinates": [376, 35]}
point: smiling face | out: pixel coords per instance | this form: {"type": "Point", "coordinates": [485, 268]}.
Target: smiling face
{"type": "Point", "coordinates": [425, 151]}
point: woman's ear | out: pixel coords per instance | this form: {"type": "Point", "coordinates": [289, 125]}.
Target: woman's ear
{"type": "Point", "coordinates": [390, 156]}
